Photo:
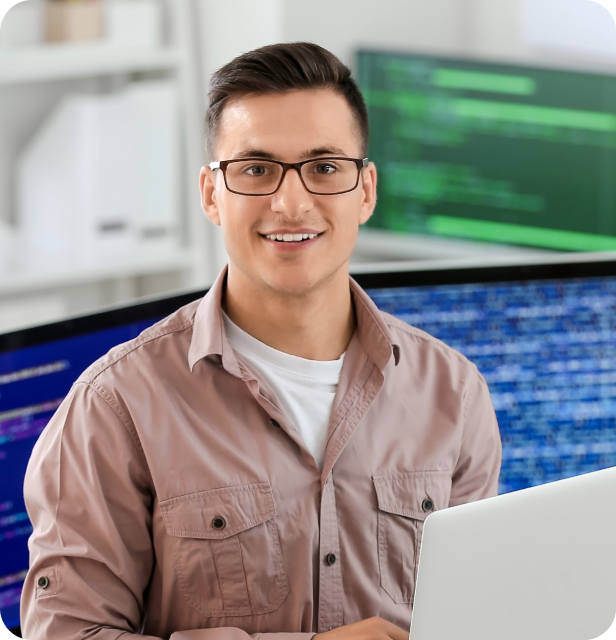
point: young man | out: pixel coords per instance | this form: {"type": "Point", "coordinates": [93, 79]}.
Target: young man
{"type": "Point", "coordinates": [260, 463]}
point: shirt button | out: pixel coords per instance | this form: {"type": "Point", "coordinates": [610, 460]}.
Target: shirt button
{"type": "Point", "coordinates": [427, 505]}
{"type": "Point", "coordinates": [275, 423]}
{"type": "Point", "coordinates": [330, 559]}
{"type": "Point", "coordinates": [219, 523]}
{"type": "Point", "coordinates": [43, 582]}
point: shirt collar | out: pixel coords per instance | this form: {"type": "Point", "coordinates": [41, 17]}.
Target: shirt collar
{"type": "Point", "coordinates": [209, 336]}
{"type": "Point", "coordinates": [372, 330]}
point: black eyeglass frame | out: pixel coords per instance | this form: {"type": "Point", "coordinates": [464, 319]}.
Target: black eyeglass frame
{"type": "Point", "coordinates": [360, 163]}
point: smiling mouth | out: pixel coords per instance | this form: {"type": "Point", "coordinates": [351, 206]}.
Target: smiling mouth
{"type": "Point", "coordinates": [291, 237]}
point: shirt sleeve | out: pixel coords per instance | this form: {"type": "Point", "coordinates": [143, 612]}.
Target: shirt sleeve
{"type": "Point", "coordinates": [87, 492]}
{"type": "Point", "coordinates": [478, 467]}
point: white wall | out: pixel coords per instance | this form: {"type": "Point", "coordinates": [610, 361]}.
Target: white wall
{"type": "Point", "coordinates": [233, 27]}
{"type": "Point", "coordinates": [569, 32]}
{"type": "Point", "coordinates": [583, 27]}
{"type": "Point", "coordinates": [343, 26]}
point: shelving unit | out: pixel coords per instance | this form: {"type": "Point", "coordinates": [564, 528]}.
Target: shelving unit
{"type": "Point", "coordinates": [33, 280]}
{"type": "Point", "coordinates": [32, 82]}
{"type": "Point", "coordinates": [62, 61]}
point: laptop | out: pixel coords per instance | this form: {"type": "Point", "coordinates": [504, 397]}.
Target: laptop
{"type": "Point", "coordinates": [535, 564]}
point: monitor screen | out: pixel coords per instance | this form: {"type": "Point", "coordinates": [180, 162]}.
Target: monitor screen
{"type": "Point", "coordinates": [492, 152]}
{"type": "Point", "coordinates": [544, 337]}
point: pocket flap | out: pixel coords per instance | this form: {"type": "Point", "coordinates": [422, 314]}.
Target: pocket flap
{"type": "Point", "coordinates": [409, 494]}
{"type": "Point", "coordinates": [218, 513]}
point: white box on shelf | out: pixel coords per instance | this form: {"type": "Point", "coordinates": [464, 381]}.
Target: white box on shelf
{"type": "Point", "coordinates": [74, 21]}
{"type": "Point", "coordinates": [23, 25]}
{"type": "Point", "coordinates": [71, 184]}
{"type": "Point", "coordinates": [133, 23]}
{"type": "Point", "coordinates": [99, 181]}
{"type": "Point", "coordinates": [156, 140]}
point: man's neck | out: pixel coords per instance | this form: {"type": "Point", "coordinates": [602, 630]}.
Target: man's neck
{"type": "Point", "coordinates": [317, 325]}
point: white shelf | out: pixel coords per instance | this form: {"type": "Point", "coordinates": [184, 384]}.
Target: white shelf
{"type": "Point", "coordinates": [39, 279]}
{"type": "Point", "coordinates": [374, 245]}
{"type": "Point", "coordinates": [62, 61]}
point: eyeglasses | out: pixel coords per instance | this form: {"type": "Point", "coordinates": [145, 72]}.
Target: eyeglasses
{"type": "Point", "coordinates": [321, 177]}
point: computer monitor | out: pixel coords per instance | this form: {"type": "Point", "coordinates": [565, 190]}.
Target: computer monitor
{"type": "Point", "coordinates": [492, 152]}
{"type": "Point", "coordinates": [543, 335]}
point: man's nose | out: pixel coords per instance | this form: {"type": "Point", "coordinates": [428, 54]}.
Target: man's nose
{"type": "Point", "coordinates": [292, 197]}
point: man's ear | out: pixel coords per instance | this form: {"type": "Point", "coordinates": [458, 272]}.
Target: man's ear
{"type": "Point", "coordinates": [207, 182]}
{"type": "Point", "coordinates": [368, 187]}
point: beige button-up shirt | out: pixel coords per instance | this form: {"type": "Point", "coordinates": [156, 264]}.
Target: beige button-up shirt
{"type": "Point", "coordinates": [170, 493]}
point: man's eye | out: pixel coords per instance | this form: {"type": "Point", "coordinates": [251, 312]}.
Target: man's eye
{"type": "Point", "coordinates": [256, 170]}
{"type": "Point", "coordinates": [325, 168]}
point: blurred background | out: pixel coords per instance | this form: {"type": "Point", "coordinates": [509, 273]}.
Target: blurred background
{"type": "Point", "coordinates": [493, 128]}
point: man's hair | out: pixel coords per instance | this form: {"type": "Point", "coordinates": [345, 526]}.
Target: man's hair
{"type": "Point", "coordinates": [279, 68]}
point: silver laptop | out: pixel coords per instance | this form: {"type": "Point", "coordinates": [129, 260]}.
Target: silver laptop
{"type": "Point", "coordinates": [536, 564]}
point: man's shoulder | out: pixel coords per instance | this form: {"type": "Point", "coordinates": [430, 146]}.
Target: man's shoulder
{"type": "Point", "coordinates": [171, 334]}
{"type": "Point", "coordinates": [414, 339]}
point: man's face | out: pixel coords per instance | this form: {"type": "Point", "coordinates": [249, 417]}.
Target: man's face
{"type": "Point", "coordinates": [289, 127]}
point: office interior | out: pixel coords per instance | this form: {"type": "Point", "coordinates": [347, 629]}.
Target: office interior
{"type": "Point", "coordinates": [87, 72]}
{"type": "Point", "coordinates": [51, 268]}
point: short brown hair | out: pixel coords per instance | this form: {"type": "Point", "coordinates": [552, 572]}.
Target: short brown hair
{"type": "Point", "coordinates": [279, 68]}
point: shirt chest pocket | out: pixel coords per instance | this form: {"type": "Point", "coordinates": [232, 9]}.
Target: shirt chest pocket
{"type": "Point", "coordinates": [405, 500]}
{"type": "Point", "coordinates": [226, 550]}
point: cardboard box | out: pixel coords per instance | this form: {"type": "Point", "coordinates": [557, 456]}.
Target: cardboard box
{"type": "Point", "coordinates": [75, 21]}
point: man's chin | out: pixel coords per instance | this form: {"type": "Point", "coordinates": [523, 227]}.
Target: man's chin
{"type": "Point", "coordinates": [297, 283]}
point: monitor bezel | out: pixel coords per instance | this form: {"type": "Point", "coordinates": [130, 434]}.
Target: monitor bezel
{"type": "Point", "coordinates": [96, 321]}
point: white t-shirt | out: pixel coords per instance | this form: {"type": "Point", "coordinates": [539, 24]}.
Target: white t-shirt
{"type": "Point", "coordinates": [304, 388]}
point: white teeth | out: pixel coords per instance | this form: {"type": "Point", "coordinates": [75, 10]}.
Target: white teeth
{"type": "Point", "coordinates": [291, 237]}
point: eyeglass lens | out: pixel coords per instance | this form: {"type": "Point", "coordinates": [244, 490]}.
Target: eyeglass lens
{"type": "Point", "coordinates": [252, 177]}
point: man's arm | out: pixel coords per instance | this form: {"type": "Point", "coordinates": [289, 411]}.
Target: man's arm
{"type": "Point", "coordinates": [88, 497]}
{"type": "Point", "coordinates": [476, 473]}
{"type": "Point", "coordinates": [88, 493]}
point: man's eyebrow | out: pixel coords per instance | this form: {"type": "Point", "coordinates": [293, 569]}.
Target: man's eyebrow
{"type": "Point", "coordinates": [323, 151]}
{"type": "Point", "coordinates": [254, 153]}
